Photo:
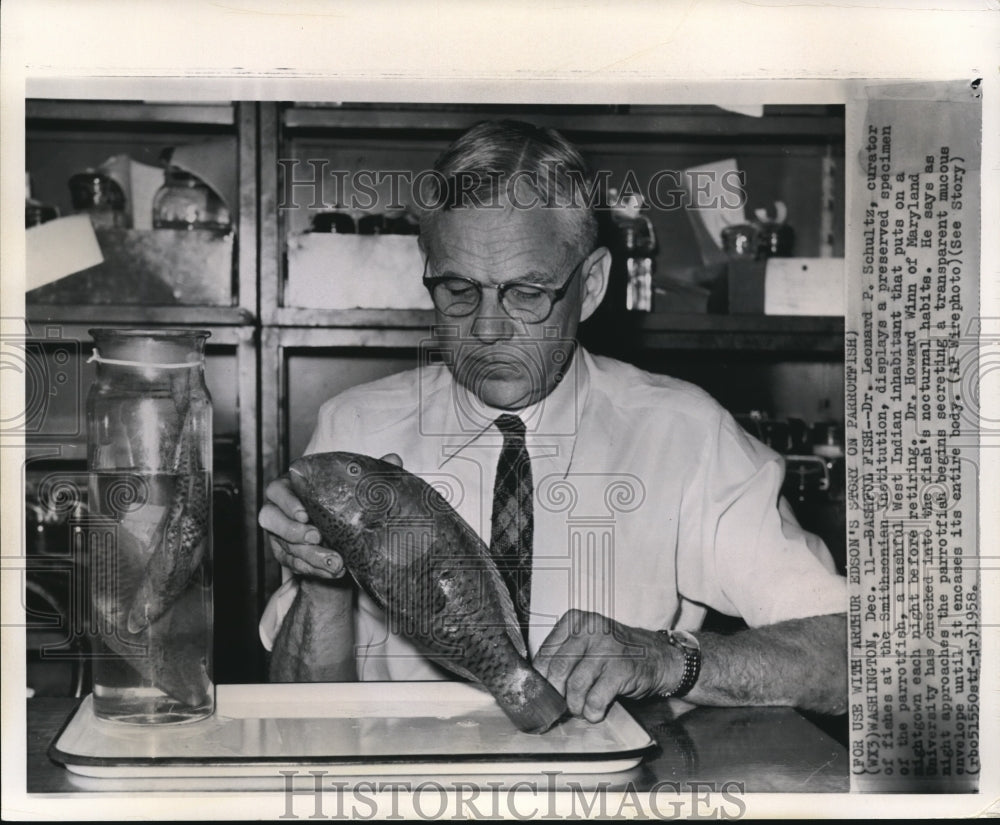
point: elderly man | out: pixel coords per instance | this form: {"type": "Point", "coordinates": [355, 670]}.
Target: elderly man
{"type": "Point", "coordinates": [620, 504]}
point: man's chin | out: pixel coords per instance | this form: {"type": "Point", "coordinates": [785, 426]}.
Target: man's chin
{"type": "Point", "coordinates": [511, 399]}
{"type": "Point", "coordinates": [503, 395]}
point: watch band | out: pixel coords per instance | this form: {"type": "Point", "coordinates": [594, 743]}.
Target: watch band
{"type": "Point", "coordinates": [692, 661]}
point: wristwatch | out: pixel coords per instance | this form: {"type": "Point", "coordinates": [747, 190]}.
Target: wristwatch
{"type": "Point", "coordinates": [692, 661]}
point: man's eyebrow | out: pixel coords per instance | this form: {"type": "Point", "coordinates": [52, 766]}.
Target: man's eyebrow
{"type": "Point", "coordinates": [533, 276]}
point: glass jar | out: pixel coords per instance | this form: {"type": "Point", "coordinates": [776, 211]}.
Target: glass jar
{"type": "Point", "coordinates": [36, 213]}
{"type": "Point", "coordinates": [99, 196]}
{"type": "Point", "coordinates": [148, 548]}
{"type": "Point", "coordinates": [741, 241]}
{"type": "Point", "coordinates": [777, 240]}
{"type": "Point", "coordinates": [637, 239]}
{"type": "Point", "coordinates": [186, 202]}
{"type": "Point", "coordinates": [373, 224]}
{"type": "Point", "coordinates": [334, 222]}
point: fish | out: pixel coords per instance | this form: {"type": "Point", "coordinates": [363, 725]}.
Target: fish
{"type": "Point", "coordinates": [169, 655]}
{"type": "Point", "coordinates": [431, 574]}
{"type": "Point", "coordinates": [183, 537]}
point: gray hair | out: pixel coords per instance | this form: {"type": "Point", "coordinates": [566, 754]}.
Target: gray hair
{"type": "Point", "coordinates": [494, 162]}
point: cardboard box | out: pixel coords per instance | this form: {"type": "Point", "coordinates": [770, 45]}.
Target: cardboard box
{"type": "Point", "coordinates": [328, 271]}
{"type": "Point", "coordinates": [159, 267]}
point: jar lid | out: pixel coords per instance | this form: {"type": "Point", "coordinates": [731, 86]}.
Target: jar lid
{"type": "Point", "coordinates": [162, 348]}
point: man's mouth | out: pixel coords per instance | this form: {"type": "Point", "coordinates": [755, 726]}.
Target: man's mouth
{"type": "Point", "coordinates": [489, 368]}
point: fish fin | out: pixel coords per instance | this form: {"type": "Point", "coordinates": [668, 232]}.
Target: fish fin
{"type": "Point", "coordinates": [536, 706]}
{"type": "Point", "coordinates": [511, 622]}
{"type": "Point", "coordinates": [138, 618]}
{"type": "Point", "coordinates": [450, 664]}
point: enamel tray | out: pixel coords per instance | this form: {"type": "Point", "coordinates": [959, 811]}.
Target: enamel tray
{"type": "Point", "coordinates": [347, 729]}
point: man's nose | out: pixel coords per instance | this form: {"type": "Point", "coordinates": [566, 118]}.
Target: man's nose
{"type": "Point", "coordinates": [492, 324]}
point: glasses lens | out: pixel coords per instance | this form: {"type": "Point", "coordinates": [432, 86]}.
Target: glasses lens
{"type": "Point", "coordinates": [526, 303]}
{"type": "Point", "coordinates": [453, 296]}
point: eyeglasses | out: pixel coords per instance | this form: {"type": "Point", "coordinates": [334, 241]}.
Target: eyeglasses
{"type": "Point", "coordinates": [457, 297]}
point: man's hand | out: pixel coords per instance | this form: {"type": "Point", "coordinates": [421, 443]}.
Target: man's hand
{"type": "Point", "coordinates": [295, 543]}
{"type": "Point", "coordinates": [799, 663]}
{"type": "Point", "coordinates": [592, 660]}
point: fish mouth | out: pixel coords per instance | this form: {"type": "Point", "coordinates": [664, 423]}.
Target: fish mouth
{"type": "Point", "coordinates": [298, 479]}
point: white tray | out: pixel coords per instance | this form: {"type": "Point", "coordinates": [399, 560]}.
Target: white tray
{"type": "Point", "coordinates": [347, 729]}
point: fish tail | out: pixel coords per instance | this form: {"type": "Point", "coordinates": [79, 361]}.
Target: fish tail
{"type": "Point", "coordinates": [533, 705]}
{"type": "Point", "coordinates": [143, 611]}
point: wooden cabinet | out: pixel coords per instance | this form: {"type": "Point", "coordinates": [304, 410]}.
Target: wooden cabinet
{"type": "Point", "coordinates": [272, 363]}
{"type": "Point", "coordinates": [146, 290]}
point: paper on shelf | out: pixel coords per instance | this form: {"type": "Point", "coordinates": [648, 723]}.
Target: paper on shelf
{"type": "Point", "coordinates": [749, 109]}
{"type": "Point", "coordinates": [712, 204]}
{"type": "Point", "coordinates": [213, 162]}
{"type": "Point", "coordinates": [59, 248]}
{"type": "Point", "coordinates": [146, 181]}
{"type": "Point", "coordinates": [804, 286]}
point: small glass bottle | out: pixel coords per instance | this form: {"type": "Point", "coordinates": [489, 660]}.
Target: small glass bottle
{"type": "Point", "coordinates": [187, 202]}
{"type": "Point", "coordinates": [147, 546]}
{"type": "Point", "coordinates": [638, 240]}
{"type": "Point", "coordinates": [100, 197]}
{"type": "Point", "coordinates": [741, 241]}
{"type": "Point", "coordinates": [401, 223]}
{"type": "Point", "coordinates": [371, 224]}
{"type": "Point", "coordinates": [35, 212]}
{"type": "Point", "coordinates": [334, 222]}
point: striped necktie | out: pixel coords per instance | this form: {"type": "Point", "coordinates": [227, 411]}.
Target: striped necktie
{"type": "Point", "coordinates": [513, 520]}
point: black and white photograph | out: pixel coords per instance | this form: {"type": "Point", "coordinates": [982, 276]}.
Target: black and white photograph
{"type": "Point", "coordinates": [383, 445]}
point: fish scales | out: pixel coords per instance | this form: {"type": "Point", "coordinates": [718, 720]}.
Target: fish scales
{"type": "Point", "coordinates": [181, 548]}
{"type": "Point", "coordinates": [169, 655]}
{"type": "Point", "coordinates": [430, 572]}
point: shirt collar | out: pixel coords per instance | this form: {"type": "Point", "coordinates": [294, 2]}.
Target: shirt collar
{"type": "Point", "coordinates": [551, 424]}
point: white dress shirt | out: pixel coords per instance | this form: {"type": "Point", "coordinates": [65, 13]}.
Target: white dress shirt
{"type": "Point", "coordinates": [651, 502]}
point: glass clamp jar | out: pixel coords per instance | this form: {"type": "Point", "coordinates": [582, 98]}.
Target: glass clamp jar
{"type": "Point", "coordinates": [187, 202]}
{"type": "Point", "coordinates": [147, 551]}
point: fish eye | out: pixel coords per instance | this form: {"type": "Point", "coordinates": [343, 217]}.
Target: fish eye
{"type": "Point", "coordinates": [353, 468]}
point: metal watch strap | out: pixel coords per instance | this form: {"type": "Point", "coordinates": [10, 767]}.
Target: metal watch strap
{"type": "Point", "coordinates": [692, 661]}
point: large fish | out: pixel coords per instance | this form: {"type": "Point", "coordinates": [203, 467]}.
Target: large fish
{"type": "Point", "coordinates": [430, 572]}
{"type": "Point", "coordinates": [181, 546]}
{"type": "Point", "coordinates": [169, 654]}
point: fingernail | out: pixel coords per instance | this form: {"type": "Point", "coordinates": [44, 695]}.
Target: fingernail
{"type": "Point", "coordinates": [333, 563]}
{"type": "Point", "coordinates": [312, 537]}
{"type": "Point", "coordinates": [301, 515]}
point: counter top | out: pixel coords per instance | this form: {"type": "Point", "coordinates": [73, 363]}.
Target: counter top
{"type": "Point", "coordinates": [762, 749]}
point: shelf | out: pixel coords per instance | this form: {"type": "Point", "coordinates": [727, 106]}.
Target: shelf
{"type": "Point", "coordinates": [741, 332]}
{"type": "Point", "coordinates": [659, 331]}
{"type": "Point", "coordinates": [713, 123]}
{"type": "Point", "coordinates": [223, 336]}
{"type": "Point", "coordinates": [138, 314]}
{"type": "Point", "coordinates": [131, 112]}
{"type": "Point", "coordinates": [375, 318]}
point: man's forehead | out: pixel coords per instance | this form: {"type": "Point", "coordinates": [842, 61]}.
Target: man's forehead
{"type": "Point", "coordinates": [531, 239]}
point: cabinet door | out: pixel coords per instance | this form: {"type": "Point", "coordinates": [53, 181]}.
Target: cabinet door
{"type": "Point", "coordinates": [53, 360]}
{"type": "Point", "coordinates": [147, 274]}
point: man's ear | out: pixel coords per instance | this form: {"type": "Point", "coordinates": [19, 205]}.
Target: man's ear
{"type": "Point", "coordinates": [594, 274]}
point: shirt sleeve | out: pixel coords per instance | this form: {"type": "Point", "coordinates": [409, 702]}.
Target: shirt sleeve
{"type": "Point", "coordinates": [277, 606]}
{"type": "Point", "coordinates": [752, 559]}
{"type": "Point", "coordinates": [322, 440]}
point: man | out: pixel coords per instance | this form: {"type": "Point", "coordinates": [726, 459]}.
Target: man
{"type": "Point", "coordinates": [642, 502]}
